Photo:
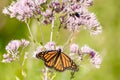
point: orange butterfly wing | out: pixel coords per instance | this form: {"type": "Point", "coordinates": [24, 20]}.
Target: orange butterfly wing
{"type": "Point", "coordinates": [57, 60]}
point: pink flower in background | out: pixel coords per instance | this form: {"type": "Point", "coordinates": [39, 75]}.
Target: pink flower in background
{"type": "Point", "coordinates": [13, 49]}
{"type": "Point", "coordinates": [13, 46]}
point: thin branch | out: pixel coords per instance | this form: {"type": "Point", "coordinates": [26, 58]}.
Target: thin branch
{"type": "Point", "coordinates": [29, 30]}
{"type": "Point", "coordinates": [68, 40]}
{"type": "Point", "coordinates": [52, 28]}
{"type": "Point", "coordinates": [46, 75]}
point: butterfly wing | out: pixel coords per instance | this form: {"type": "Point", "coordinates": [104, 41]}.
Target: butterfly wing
{"type": "Point", "coordinates": [68, 62]}
{"type": "Point", "coordinates": [50, 55]}
{"type": "Point", "coordinates": [59, 64]}
{"type": "Point", "coordinates": [50, 58]}
{"type": "Point", "coordinates": [57, 60]}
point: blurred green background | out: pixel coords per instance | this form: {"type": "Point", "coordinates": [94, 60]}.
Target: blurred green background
{"type": "Point", "coordinates": [107, 43]}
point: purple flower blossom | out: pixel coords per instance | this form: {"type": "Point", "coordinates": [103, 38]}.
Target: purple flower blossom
{"type": "Point", "coordinates": [96, 30]}
{"type": "Point", "coordinates": [13, 49]}
{"type": "Point", "coordinates": [78, 15]}
{"type": "Point", "coordinates": [86, 49]}
{"type": "Point", "coordinates": [24, 42]}
{"type": "Point", "coordinates": [92, 54]}
{"type": "Point", "coordinates": [22, 9]}
{"type": "Point", "coordinates": [96, 60]}
{"type": "Point", "coordinates": [75, 57]}
{"type": "Point", "coordinates": [47, 13]}
{"type": "Point", "coordinates": [13, 46]}
{"type": "Point", "coordinates": [74, 48]}
{"type": "Point", "coordinates": [86, 2]}
{"type": "Point", "coordinates": [92, 24]}
{"type": "Point", "coordinates": [94, 57]}
{"type": "Point", "coordinates": [57, 6]}
{"type": "Point", "coordinates": [75, 53]}
{"type": "Point", "coordinates": [6, 55]}
{"type": "Point", "coordinates": [47, 16]}
{"type": "Point", "coordinates": [74, 18]}
{"type": "Point", "coordinates": [73, 24]}
{"type": "Point", "coordinates": [7, 60]}
{"type": "Point", "coordinates": [50, 46]}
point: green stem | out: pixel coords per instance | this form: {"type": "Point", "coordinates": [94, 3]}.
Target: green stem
{"type": "Point", "coordinates": [52, 28]}
{"type": "Point", "coordinates": [29, 30]}
{"type": "Point", "coordinates": [68, 40]}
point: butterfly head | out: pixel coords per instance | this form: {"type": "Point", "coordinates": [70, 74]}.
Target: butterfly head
{"type": "Point", "coordinates": [40, 55]}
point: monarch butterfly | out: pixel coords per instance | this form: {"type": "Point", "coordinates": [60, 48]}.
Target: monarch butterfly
{"type": "Point", "coordinates": [57, 60]}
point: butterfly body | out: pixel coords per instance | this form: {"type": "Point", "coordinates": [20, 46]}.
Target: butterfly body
{"type": "Point", "coordinates": [57, 60]}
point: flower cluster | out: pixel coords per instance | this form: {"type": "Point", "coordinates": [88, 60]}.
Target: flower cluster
{"type": "Point", "coordinates": [12, 50]}
{"type": "Point", "coordinates": [78, 15]}
{"type": "Point", "coordinates": [75, 13]}
{"type": "Point", "coordinates": [52, 8]}
{"type": "Point", "coordinates": [22, 9]}
{"type": "Point", "coordinates": [47, 16]}
{"type": "Point", "coordinates": [75, 53]}
{"type": "Point", "coordinates": [95, 58]}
